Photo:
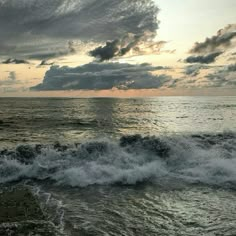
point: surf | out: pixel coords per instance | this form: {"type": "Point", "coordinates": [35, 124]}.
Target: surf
{"type": "Point", "coordinates": [132, 159]}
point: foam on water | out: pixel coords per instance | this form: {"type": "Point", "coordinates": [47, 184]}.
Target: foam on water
{"type": "Point", "coordinates": [206, 159]}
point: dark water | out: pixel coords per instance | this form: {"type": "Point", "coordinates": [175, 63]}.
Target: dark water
{"type": "Point", "coordinates": [177, 176]}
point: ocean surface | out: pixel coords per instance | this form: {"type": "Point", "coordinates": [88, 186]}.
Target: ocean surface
{"type": "Point", "coordinates": [138, 166]}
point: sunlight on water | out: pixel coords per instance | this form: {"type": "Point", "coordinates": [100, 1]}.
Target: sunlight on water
{"type": "Point", "coordinates": [74, 120]}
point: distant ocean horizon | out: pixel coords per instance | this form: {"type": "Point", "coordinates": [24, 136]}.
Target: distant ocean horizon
{"type": "Point", "coordinates": [118, 97]}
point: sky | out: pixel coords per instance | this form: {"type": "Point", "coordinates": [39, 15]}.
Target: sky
{"type": "Point", "coordinates": [117, 48]}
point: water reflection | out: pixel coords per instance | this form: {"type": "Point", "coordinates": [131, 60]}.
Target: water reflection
{"type": "Point", "coordinates": [73, 120]}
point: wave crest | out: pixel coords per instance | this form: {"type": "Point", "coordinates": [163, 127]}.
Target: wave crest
{"type": "Point", "coordinates": [208, 159]}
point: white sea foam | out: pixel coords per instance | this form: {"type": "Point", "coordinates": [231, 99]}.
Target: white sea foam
{"type": "Point", "coordinates": [205, 159]}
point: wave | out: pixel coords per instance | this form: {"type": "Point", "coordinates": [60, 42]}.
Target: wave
{"type": "Point", "coordinates": [200, 158]}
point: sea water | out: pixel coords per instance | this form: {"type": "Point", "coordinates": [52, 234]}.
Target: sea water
{"type": "Point", "coordinates": [125, 166]}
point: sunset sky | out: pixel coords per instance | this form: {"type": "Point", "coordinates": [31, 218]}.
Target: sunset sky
{"type": "Point", "coordinates": [117, 48]}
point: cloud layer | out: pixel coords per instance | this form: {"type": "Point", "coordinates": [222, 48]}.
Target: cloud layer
{"type": "Point", "coordinates": [123, 76]}
{"type": "Point", "coordinates": [96, 76]}
{"type": "Point", "coordinates": [15, 61]}
{"type": "Point", "coordinates": [194, 70]}
{"type": "Point", "coordinates": [137, 44]}
{"type": "Point", "coordinates": [45, 29]}
{"type": "Point", "coordinates": [203, 59]}
{"type": "Point", "coordinates": [222, 40]}
{"type": "Point", "coordinates": [10, 80]}
{"type": "Point", "coordinates": [208, 51]}
{"type": "Point", "coordinates": [225, 77]}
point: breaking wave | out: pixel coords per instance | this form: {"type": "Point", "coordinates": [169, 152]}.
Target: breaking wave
{"type": "Point", "coordinates": [205, 158]}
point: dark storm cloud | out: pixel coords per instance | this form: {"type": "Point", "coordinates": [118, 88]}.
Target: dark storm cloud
{"type": "Point", "coordinates": [96, 76]}
{"type": "Point", "coordinates": [43, 50]}
{"type": "Point", "coordinates": [203, 59]}
{"type": "Point", "coordinates": [110, 50]}
{"type": "Point", "coordinates": [54, 51]}
{"type": "Point", "coordinates": [51, 24]}
{"type": "Point", "coordinates": [222, 40]}
{"type": "Point", "coordinates": [86, 19]}
{"type": "Point", "coordinates": [138, 44]}
{"type": "Point", "coordinates": [15, 61]}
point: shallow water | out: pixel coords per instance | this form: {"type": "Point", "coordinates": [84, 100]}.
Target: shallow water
{"type": "Point", "coordinates": [148, 210]}
{"type": "Point", "coordinates": [176, 177]}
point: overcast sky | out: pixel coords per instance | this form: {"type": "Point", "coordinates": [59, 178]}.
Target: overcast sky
{"type": "Point", "coordinates": [117, 48]}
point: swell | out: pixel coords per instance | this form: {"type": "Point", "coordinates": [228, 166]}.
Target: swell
{"type": "Point", "coordinates": [200, 158]}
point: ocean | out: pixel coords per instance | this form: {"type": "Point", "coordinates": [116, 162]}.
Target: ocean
{"type": "Point", "coordinates": [125, 166]}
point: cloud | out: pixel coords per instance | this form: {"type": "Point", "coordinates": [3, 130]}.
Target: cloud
{"type": "Point", "coordinates": [45, 63]}
{"type": "Point", "coordinates": [123, 76]}
{"type": "Point", "coordinates": [10, 80]}
{"type": "Point", "coordinates": [15, 61]}
{"type": "Point", "coordinates": [137, 44]}
{"type": "Point", "coordinates": [222, 40]}
{"type": "Point", "coordinates": [110, 50]}
{"type": "Point", "coordinates": [47, 50]}
{"type": "Point", "coordinates": [71, 47]}
{"type": "Point", "coordinates": [102, 76]}
{"type": "Point", "coordinates": [230, 68]}
{"type": "Point", "coordinates": [203, 59]}
{"type": "Point", "coordinates": [214, 77]}
{"type": "Point", "coordinates": [86, 19]}
{"type": "Point", "coordinates": [12, 76]}
{"type": "Point", "coordinates": [42, 29]}
{"type": "Point", "coordinates": [225, 77]}
{"type": "Point", "coordinates": [208, 51]}
{"type": "Point", "coordinates": [141, 42]}
{"type": "Point", "coordinates": [231, 59]}
{"type": "Point", "coordinates": [194, 70]}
